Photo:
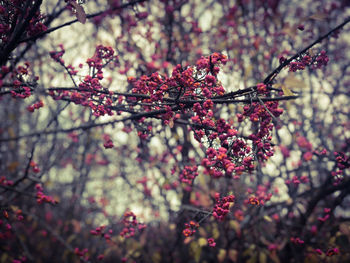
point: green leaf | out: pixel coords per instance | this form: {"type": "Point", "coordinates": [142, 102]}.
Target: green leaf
{"type": "Point", "coordinates": [221, 255]}
{"type": "Point", "coordinates": [196, 250]}
{"type": "Point", "coordinates": [287, 91]}
{"type": "Point", "coordinates": [262, 257]}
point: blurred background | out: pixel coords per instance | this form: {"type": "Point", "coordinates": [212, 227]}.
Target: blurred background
{"type": "Point", "coordinates": [61, 147]}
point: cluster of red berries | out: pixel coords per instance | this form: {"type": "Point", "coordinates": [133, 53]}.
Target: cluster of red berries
{"type": "Point", "coordinates": [222, 206]}
{"type": "Point", "coordinates": [130, 225]}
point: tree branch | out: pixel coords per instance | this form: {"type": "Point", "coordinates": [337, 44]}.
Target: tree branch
{"type": "Point", "coordinates": [275, 72]}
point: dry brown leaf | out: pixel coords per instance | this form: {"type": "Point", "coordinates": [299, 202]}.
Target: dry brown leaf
{"type": "Point", "coordinates": [318, 16]}
{"type": "Point", "coordinates": [80, 13]}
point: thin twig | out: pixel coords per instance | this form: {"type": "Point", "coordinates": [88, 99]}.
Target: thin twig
{"type": "Point", "coordinates": [274, 73]}
{"type": "Point", "coordinates": [76, 20]}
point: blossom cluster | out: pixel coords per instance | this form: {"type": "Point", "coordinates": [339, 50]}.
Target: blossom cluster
{"type": "Point", "coordinates": [34, 167]}
{"type": "Point", "coordinates": [183, 84]}
{"type": "Point", "coordinates": [20, 80]}
{"type": "Point", "coordinates": [35, 106]}
{"type": "Point", "coordinates": [297, 180]}
{"type": "Point", "coordinates": [178, 92]}
{"type": "Point", "coordinates": [82, 253]}
{"type": "Point", "coordinates": [10, 11]}
{"type": "Point", "coordinates": [4, 181]}
{"type": "Point", "coordinates": [234, 156]}
{"type": "Point", "coordinates": [130, 225]}
{"type": "Point", "coordinates": [108, 143]}
{"type": "Point", "coordinates": [89, 92]}
{"type": "Point", "coordinates": [17, 216]}
{"type": "Point", "coordinates": [188, 174]}
{"type": "Point", "coordinates": [316, 62]}
{"type": "Point", "coordinates": [41, 197]}
{"type": "Point", "coordinates": [261, 116]}
{"type": "Point", "coordinates": [146, 190]}
{"type": "Point", "coordinates": [342, 163]}
{"type": "Point", "coordinates": [190, 228]}
{"type": "Point", "coordinates": [326, 216]}
{"type": "Point", "coordinates": [20, 260]}
{"type": "Point", "coordinates": [301, 64]}
{"type": "Point", "coordinates": [7, 230]}
{"type": "Point", "coordinates": [211, 242]}
{"type": "Point", "coordinates": [330, 252]}
{"type": "Point", "coordinates": [222, 206]}
{"type": "Point", "coordinates": [297, 240]}
{"type": "Point", "coordinates": [22, 92]}
{"type": "Point", "coordinates": [100, 231]}
{"type": "Point", "coordinates": [260, 196]}
{"type": "Point", "coordinates": [229, 160]}
{"type": "Point", "coordinates": [58, 54]}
